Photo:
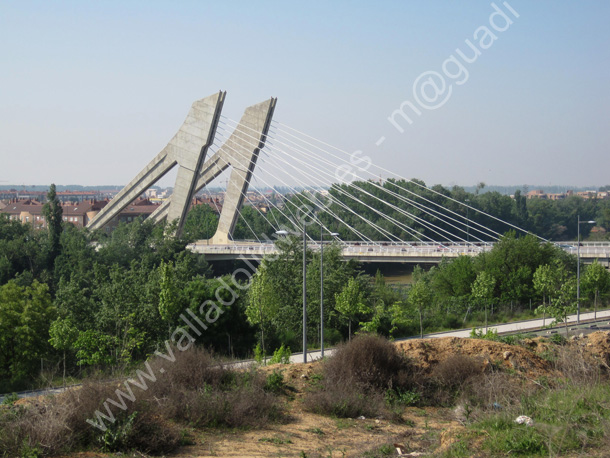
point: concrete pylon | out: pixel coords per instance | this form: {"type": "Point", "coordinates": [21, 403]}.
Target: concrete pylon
{"type": "Point", "coordinates": [240, 151]}
{"type": "Point", "coordinates": [188, 149]}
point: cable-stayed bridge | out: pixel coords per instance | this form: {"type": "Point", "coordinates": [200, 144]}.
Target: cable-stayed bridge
{"type": "Point", "coordinates": [337, 194]}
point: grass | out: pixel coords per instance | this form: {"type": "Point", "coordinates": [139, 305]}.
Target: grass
{"type": "Point", "coordinates": [275, 440]}
{"type": "Point", "coordinates": [317, 431]}
{"type": "Point", "coordinates": [573, 417]}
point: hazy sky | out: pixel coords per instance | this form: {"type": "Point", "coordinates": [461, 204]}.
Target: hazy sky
{"type": "Point", "coordinates": [91, 91]}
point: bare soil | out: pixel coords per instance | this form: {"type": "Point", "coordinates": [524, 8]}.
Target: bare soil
{"type": "Point", "coordinates": [423, 432]}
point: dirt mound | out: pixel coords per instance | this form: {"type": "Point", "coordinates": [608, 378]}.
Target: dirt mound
{"type": "Point", "coordinates": [598, 344]}
{"type": "Point", "coordinates": [425, 354]}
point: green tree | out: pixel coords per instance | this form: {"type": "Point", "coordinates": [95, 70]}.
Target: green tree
{"type": "Point", "coordinates": [262, 302]}
{"type": "Point", "coordinates": [95, 348]}
{"type": "Point", "coordinates": [482, 290]}
{"type": "Point", "coordinates": [350, 302]}
{"type": "Point", "coordinates": [453, 279]}
{"type": "Point", "coordinates": [21, 250]}
{"type": "Point", "coordinates": [25, 314]}
{"type": "Point", "coordinates": [201, 223]}
{"type": "Point", "coordinates": [420, 297]}
{"type": "Point", "coordinates": [546, 281]}
{"type": "Point", "coordinates": [63, 335]}
{"type": "Point", "coordinates": [53, 213]}
{"type": "Point", "coordinates": [169, 301]}
{"type": "Point", "coordinates": [562, 298]}
{"type": "Point", "coordinates": [596, 281]}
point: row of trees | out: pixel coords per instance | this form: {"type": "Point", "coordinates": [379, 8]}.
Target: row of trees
{"type": "Point", "coordinates": [353, 203]}
{"type": "Point", "coordinates": [518, 274]}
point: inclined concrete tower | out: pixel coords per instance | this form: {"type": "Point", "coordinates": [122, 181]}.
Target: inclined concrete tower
{"type": "Point", "coordinates": [188, 150]}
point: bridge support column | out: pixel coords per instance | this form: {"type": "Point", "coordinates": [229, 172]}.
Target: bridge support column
{"type": "Point", "coordinates": [188, 149]}
{"type": "Point", "coordinates": [241, 152]}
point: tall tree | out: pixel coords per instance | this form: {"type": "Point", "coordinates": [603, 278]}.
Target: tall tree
{"type": "Point", "coordinates": [561, 287]}
{"type": "Point", "coordinates": [53, 213]}
{"type": "Point", "coordinates": [169, 302]}
{"type": "Point", "coordinates": [262, 302]}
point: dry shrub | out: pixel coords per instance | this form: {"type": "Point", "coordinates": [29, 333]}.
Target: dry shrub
{"type": "Point", "coordinates": [192, 369]}
{"type": "Point", "coordinates": [347, 401]}
{"type": "Point", "coordinates": [371, 362]}
{"type": "Point", "coordinates": [356, 378]}
{"type": "Point", "coordinates": [576, 368]}
{"type": "Point", "coordinates": [194, 389]}
{"type": "Point", "coordinates": [454, 372]}
{"type": "Point", "coordinates": [244, 403]}
{"type": "Point", "coordinates": [449, 379]}
{"type": "Point", "coordinates": [59, 425]}
{"type": "Point", "coordinates": [496, 390]}
{"type": "Point", "coordinates": [197, 389]}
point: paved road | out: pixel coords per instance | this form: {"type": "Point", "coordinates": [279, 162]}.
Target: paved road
{"type": "Point", "coordinates": [516, 326]}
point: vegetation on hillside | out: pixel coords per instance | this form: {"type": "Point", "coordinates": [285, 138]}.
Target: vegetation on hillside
{"type": "Point", "coordinates": [74, 302]}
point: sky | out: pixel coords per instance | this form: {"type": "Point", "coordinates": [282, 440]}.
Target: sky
{"type": "Point", "coordinates": [90, 92]}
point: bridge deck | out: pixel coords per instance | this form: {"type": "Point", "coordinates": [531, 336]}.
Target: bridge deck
{"type": "Point", "coordinates": [388, 252]}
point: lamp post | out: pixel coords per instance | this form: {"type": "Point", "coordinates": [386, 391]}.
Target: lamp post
{"type": "Point", "coordinates": [304, 294]}
{"type": "Point", "coordinates": [578, 270]}
{"type": "Point", "coordinates": [333, 234]}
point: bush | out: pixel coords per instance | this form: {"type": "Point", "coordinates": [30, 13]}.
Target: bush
{"type": "Point", "coordinates": [449, 379]}
{"type": "Point", "coordinates": [59, 425]}
{"type": "Point", "coordinates": [344, 401]}
{"type": "Point", "coordinates": [455, 371]}
{"type": "Point", "coordinates": [491, 334]}
{"type": "Point", "coordinates": [357, 377]}
{"type": "Point", "coordinates": [194, 388]}
{"type": "Point", "coordinates": [198, 390]}
{"type": "Point", "coordinates": [371, 362]}
{"type": "Point", "coordinates": [281, 355]}
{"type": "Point", "coordinates": [570, 361]}
{"type": "Point", "coordinates": [193, 369]}
{"type": "Point", "coordinates": [275, 382]}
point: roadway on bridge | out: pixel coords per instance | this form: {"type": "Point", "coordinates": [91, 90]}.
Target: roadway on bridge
{"type": "Point", "coordinates": [420, 252]}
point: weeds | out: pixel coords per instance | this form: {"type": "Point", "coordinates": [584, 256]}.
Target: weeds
{"type": "Point", "coordinates": [197, 391]}
{"type": "Point", "coordinates": [317, 431]}
{"type": "Point", "coordinates": [10, 399]}
{"type": "Point", "coordinates": [275, 382]}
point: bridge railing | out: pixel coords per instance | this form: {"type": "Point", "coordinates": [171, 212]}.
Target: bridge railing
{"type": "Point", "coordinates": [395, 249]}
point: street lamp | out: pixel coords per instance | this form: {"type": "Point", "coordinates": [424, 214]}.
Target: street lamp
{"type": "Point", "coordinates": [333, 234]}
{"type": "Point", "coordinates": [578, 270]}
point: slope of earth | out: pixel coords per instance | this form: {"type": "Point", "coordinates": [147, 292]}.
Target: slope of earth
{"type": "Point", "coordinates": [428, 431]}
